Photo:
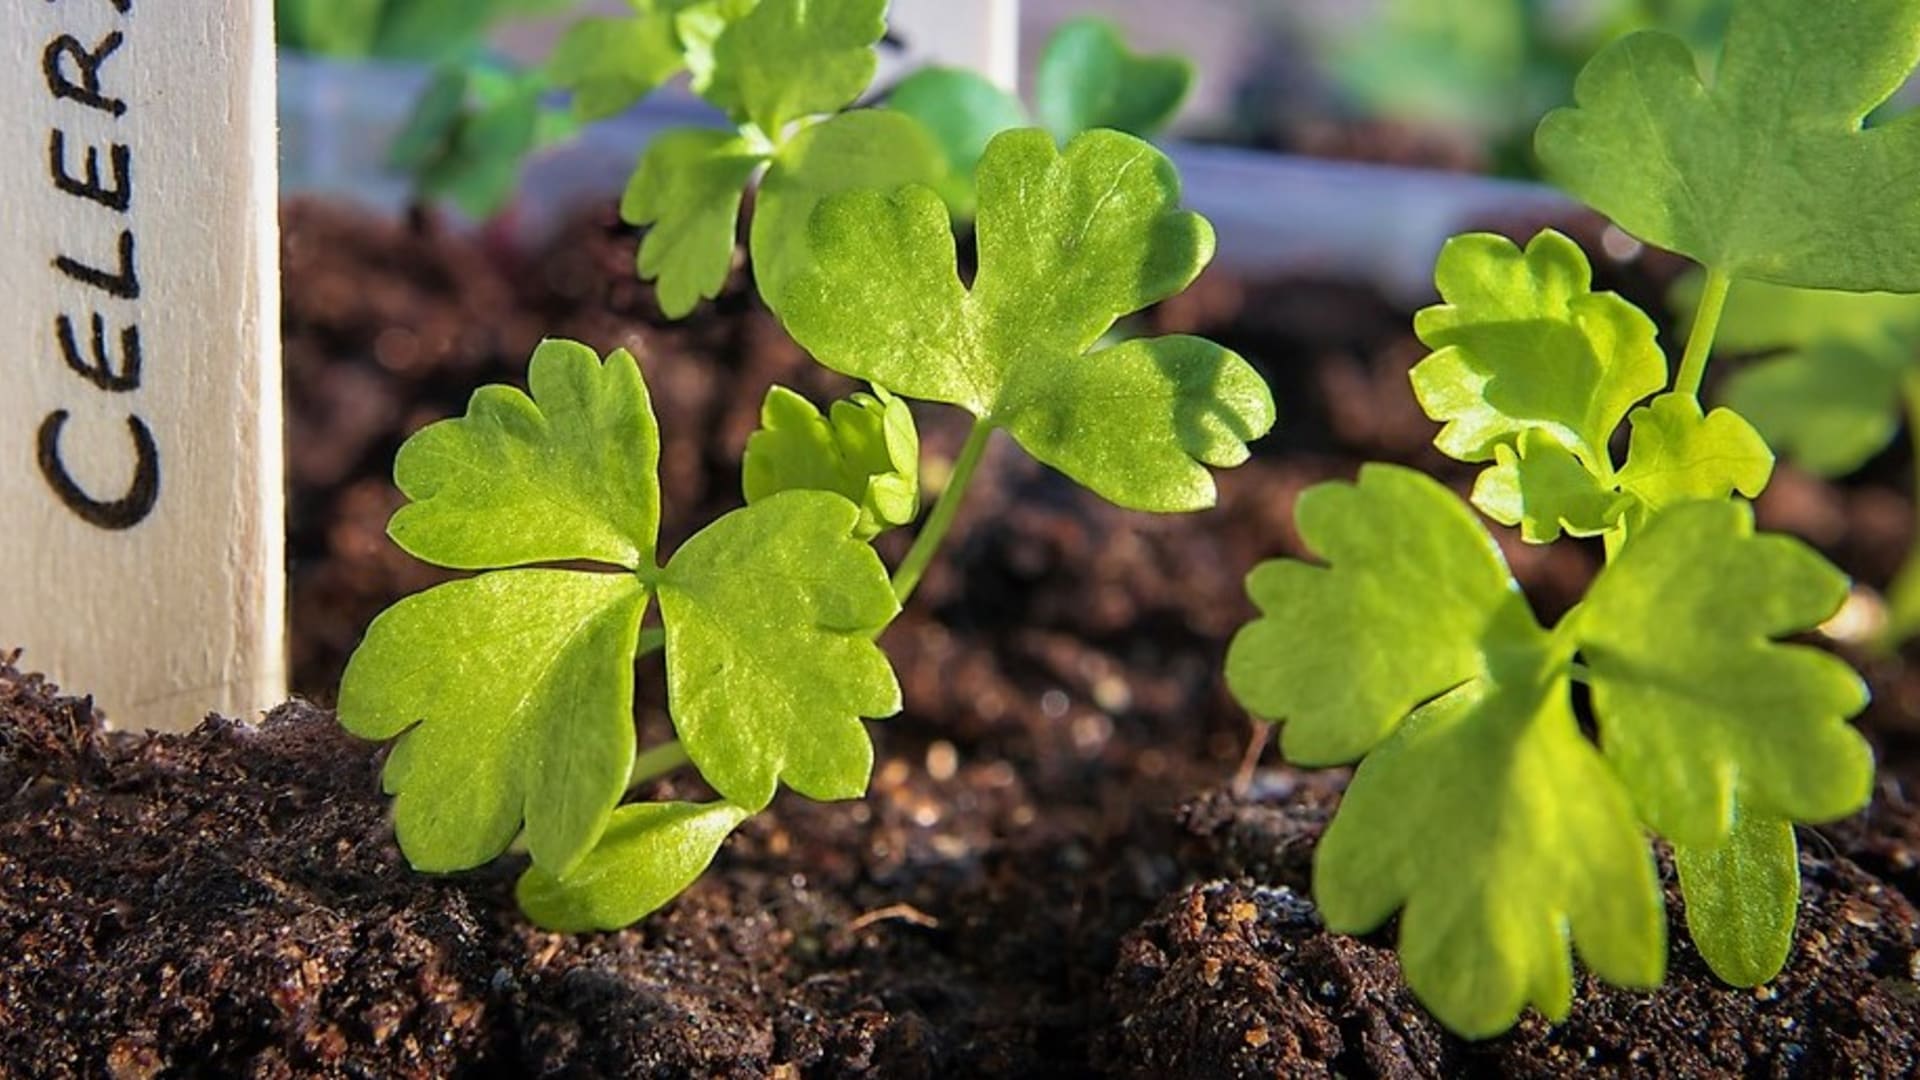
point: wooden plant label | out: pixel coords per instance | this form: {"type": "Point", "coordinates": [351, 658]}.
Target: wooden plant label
{"type": "Point", "coordinates": [140, 453]}
{"type": "Point", "coordinates": [983, 35]}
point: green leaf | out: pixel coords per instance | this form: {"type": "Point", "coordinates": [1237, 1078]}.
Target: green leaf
{"type": "Point", "coordinates": [1677, 455]}
{"type": "Point", "coordinates": [1414, 598]}
{"type": "Point", "coordinates": [688, 189]}
{"type": "Point", "coordinates": [1501, 831]}
{"type": "Point", "coordinates": [1068, 243]}
{"type": "Point", "coordinates": [1760, 317]}
{"type": "Point", "coordinates": [1539, 485]}
{"type": "Point", "coordinates": [1741, 897]}
{"type": "Point", "coordinates": [610, 64]}
{"type": "Point", "coordinates": [868, 453]}
{"type": "Point", "coordinates": [1088, 79]}
{"type": "Point", "coordinates": [566, 474]}
{"type": "Point", "coordinates": [469, 136]}
{"type": "Point", "coordinates": [1697, 704]}
{"type": "Point", "coordinates": [860, 150]}
{"type": "Point", "coordinates": [963, 111]}
{"type": "Point", "coordinates": [1830, 407]}
{"type": "Point", "coordinates": [512, 698]}
{"type": "Point", "coordinates": [1767, 173]}
{"type": "Point", "coordinates": [771, 614]}
{"type": "Point", "coordinates": [699, 26]}
{"type": "Point", "coordinates": [790, 59]}
{"type": "Point", "coordinates": [648, 855]}
{"type": "Point", "coordinates": [433, 123]}
{"type": "Point", "coordinates": [1831, 400]}
{"type": "Point", "coordinates": [1522, 342]}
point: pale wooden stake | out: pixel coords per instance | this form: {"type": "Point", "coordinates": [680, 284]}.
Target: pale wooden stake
{"type": "Point", "coordinates": [980, 34]}
{"type": "Point", "coordinates": [140, 440]}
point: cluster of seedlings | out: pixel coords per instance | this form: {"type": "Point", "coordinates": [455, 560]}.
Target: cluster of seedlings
{"type": "Point", "coordinates": [1510, 775]}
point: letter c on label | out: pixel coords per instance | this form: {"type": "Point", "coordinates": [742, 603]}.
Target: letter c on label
{"type": "Point", "coordinates": [121, 513]}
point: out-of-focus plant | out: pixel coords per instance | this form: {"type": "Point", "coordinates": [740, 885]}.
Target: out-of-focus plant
{"type": "Point", "coordinates": [1490, 68]}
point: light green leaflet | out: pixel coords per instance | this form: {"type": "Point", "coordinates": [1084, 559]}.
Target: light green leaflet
{"type": "Point", "coordinates": [962, 110]}
{"type": "Point", "coordinates": [1741, 898]}
{"type": "Point", "coordinates": [776, 63]}
{"type": "Point", "coordinates": [511, 693]}
{"type": "Point", "coordinates": [688, 188]}
{"type": "Point", "coordinates": [651, 851]}
{"type": "Point", "coordinates": [610, 64]}
{"type": "Point", "coordinates": [1696, 703]}
{"type": "Point", "coordinates": [1479, 810]}
{"type": "Point", "coordinates": [789, 59]}
{"type": "Point", "coordinates": [1499, 830]}
{"type": "Point", "coordinates": [1768, 173]}
{"type": "Point", "coordinates": [1535, 371]}
{"type": "Point", "coordinates": [1521, 341]}
{"type": "Point", "coordinates": [866, 450]}
{"type": "Point", "coordinates": [1068, 243]}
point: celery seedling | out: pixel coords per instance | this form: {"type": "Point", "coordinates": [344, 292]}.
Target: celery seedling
{"type": "Point", "coordinates": [1480, 810]}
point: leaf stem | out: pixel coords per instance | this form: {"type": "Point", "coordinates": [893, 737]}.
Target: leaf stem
{"type": "Point", "coordinates": [1706, 323]}
{"type": "Point", "coordinates": [652, 640]}
{"type": "Point", "coordinates": [654, 763]}
{"type": "Point", "coordinates": [907, 577]}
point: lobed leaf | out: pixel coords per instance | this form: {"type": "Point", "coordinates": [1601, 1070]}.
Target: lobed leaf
{"type": "Point", "coordinates": [1068, 243]}
{"type": "Point", "coordinates": [610, 64]}
{"type": "Point", "coordinates": [962, 110]}
{"type": "Point", "coordinates": [1413, 598]}
{"type": "Point", "coordinates": [1676, 454]}
{"type": "Point", "coordinates": [1698, 705]}
{"type": "Point", "coordinates": [1480, 811]}
{"type": "Point", "coordinates": [1540, 485]}
{"type": "Point", "coordinates": [1742, 896]}
{"type": "Point", "coordinates": [1501, 832]}
{"type": "Point", "coordinates": [868, 452]}
{"type": "Point", "coordinates": [649, 854]}
{"type": "Point", "coordinates": [1089, 79]}
{"type": "Point", "coordinates": [688, 188]}
{"type": "Point", "coordinates": [566, 474]}
{"type": "Point", "coordinates": [511, 695]}
{"type": "Point", "coordinates": [790, 59]}
{"type": "Point", "coordinates": [771, 614]}
{"type": "Point", "coordinates": [859, 150]}
{"type": "Point", "coordinates": [1522, 342]}
{"type": "Point", "coordinates": [1770, 172]}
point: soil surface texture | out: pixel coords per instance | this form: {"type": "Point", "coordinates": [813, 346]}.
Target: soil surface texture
{"type": "Point", "coordinates": [1055, 874]}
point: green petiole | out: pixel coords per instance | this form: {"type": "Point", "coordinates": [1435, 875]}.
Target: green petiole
{"type": "Point", "coordinates": [940, 521]}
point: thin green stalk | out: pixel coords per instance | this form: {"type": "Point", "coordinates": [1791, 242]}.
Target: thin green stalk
{"type": "Point", "coordinates": [1706, 323]}
{"type": "Point", "coordinates": [657, 762]}
{"type": "Point", "coordinates": [907, 577]}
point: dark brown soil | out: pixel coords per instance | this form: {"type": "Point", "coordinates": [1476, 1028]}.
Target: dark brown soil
{"type": "Point", "coordinates": [1050, 877]}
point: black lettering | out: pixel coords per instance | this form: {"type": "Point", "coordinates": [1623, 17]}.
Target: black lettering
{"type": "Point", "coordinates": [121, 513]}
{"type": "Point", "coordinates": [101, 372]}
{"type": "Point", "coordinates": [124, 283]}
{"type": "Point", "coordinates": [121, 6]}
{"type": "Point", "coordinates": [118, 197]}
{"type": "Point", "coordinates": [87, 91]}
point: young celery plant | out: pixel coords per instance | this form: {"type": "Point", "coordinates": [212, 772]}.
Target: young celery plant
{"type": "Point", "coordinates": [509, 694]}
{"type": "Point", "coordinates": [1480, 810]}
